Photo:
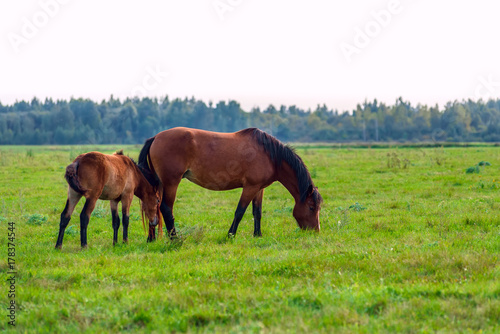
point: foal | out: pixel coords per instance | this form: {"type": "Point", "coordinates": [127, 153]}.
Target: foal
{"type": "Point", "coordinates": [108, 177]}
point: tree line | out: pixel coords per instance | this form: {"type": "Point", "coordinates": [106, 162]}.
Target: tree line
{"type": "Point", "coordinates": [83, 121]}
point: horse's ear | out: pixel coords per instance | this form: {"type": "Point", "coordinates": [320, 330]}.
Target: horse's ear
{"type": "Point", "coordinates": [310, 190]}
{"type": "Point", "coordinates": [159, 191]}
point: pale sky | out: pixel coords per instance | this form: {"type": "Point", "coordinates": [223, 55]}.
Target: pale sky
{"type": "Point", "coordinates": [257, 52]}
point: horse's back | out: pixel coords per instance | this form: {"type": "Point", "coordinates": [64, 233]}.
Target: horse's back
{"type": "Point", "coordinates": [105, 175]}
{"type": "Point", "coordinates": [213, 160]}
{"type": "Point", "coordinates": [196, 140]}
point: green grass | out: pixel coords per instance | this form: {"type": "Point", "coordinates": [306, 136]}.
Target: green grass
{"type": "Point", "coordinates": [409, 243]}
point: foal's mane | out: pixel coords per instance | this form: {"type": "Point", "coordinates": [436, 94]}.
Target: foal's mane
{"type": "Point", "coordinates": [146, 172]}
{"type": "Point", "coordinates": [279, 152]}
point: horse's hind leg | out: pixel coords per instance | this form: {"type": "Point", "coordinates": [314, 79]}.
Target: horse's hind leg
{"type": "Point", "coordinates": [257, 213]}
{"type": "Point", "coordinates": [84, 219]}
{"type": "Point", "coordinates": [71, 202]}
{"type": "Point", "coordinates": [115, 220]}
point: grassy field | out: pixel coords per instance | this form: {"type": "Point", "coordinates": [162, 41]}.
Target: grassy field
{"type": "Point", "coordinates": [409, 243]}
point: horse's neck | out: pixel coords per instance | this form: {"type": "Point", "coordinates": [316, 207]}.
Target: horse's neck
{"type": "Point", "coordinates": [287, 177]}
{"type": "Point", "coordinates": [141, 184]}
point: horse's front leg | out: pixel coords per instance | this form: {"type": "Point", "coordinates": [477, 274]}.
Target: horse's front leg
{"type": "Point", "coordinates": [151, 233]}
{"type": "Point", "coordinates": [257, 213]}
{"type": "Point", "coordinates": [125, 218]}
{"type": "Point", "coordinates": [115, 220]}
{"type": "Point", "coordinates": [126, 202]}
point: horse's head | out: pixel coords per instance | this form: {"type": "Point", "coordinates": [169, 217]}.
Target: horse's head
{"type": "Point", "coordinates": [306, 212]}
{"type": "Point", "coordinates": [151, 207]}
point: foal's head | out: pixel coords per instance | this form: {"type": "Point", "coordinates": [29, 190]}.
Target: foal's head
{"type": "Point", "coordinates": [150, 205]}
{"type": "Point", "coordinates": [306, 212]}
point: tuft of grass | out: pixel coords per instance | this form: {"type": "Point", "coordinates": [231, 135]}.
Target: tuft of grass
{"type": "Point", "coordinates": [439, 156]}
{"type": "Point", "coordinates": [100, 210]}
{"type": "Point", "coordinates": [195, 233]}
{"type": "Point", "coordinates": [394, 160]}
{"type": "Point", "coordinates": [476, 169]}
{"type": "Point", "coordinates": [305, 302]}
{"type": "Point", "coordinates": [357, 207]}
{"type": "Point", "coordinates": [473, 169]}
{"type": "Point", "coordinates": [71, 231]}
{"type": "Point", "coordinates": [36, 219]}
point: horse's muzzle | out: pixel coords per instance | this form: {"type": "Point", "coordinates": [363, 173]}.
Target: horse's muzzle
{"type": "Point", "coordinates": [154, 222]}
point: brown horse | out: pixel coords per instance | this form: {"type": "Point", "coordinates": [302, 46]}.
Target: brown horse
{"type": "Point", "coordinates": [250, 159]}
{"type": "Point", "coordinates": [108, 177]}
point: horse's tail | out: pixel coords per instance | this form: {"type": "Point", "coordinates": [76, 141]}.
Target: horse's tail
{"type": "Point", "coordinates": [145, 164]}
{"type": "Point", "coordinates": [143, 156]}
{"type": "Point", "coordinates": [71, 176]}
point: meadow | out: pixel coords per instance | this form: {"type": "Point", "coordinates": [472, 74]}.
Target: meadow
{"type": "Point", "coordinates": [409, 243]}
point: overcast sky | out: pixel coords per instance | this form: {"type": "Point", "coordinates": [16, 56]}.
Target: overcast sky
{"type": "Point", "coordinates": [257, 52]}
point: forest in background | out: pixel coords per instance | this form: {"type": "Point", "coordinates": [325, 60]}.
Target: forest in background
{"type": "Point", "coordinates": [83, 121]}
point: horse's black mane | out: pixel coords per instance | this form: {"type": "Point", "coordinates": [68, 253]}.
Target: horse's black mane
{"type": "Point", "coordinates": [148, 174]}
{"type": "Point", "coordinates": [278, 152]}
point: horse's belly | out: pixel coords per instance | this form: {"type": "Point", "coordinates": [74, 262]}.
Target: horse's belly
{"type": "Point", "coordinates": [116, 184]}
{"type": "Point", "coordinates": [108, 195]}
{"type": "Point", "coordinates": [214, 181]}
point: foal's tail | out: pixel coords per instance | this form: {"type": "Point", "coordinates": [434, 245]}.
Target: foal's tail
{"type": "Point", "coordinates": [72, 178]}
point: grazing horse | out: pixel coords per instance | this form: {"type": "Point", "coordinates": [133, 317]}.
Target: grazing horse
{"type": "Point", "coordinates": [108, 177]}
{"type": "Point", "coordinates": [250, 159]}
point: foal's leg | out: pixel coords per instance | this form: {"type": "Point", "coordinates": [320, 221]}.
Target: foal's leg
{"type": "Point", "coordinates": [151, 234]}
{"type": "Point", "coordinates": [247, 195]}
{"type": "Point", "coordinates": [257, 213]}
{"type": "Point", "coordinates": [126, 202]}
{"type": "Point", "coordinates": [71, 202]}
{"type": "Point", "coordinates": [84, 219]}
{"type": "Point", "coordinates": [115, 220]}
